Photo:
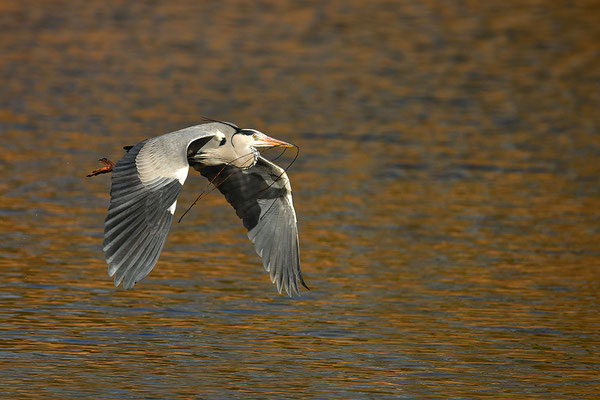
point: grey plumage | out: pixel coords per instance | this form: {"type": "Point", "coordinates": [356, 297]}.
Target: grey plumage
{"type": "Point", "coordinates": [148, 179]}
{"type": "Point", "coordinates": [138, 220]}
{"type": "Point", "coordinates": [262, 198]}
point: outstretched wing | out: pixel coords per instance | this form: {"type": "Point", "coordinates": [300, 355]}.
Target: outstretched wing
{"type": "Point", "coordinates": [262, 198]}
{"type": "Point", "coordinates": [143, 199]}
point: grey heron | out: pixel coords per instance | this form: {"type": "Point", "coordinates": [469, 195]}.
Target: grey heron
{"type": "Point", "coordinates": [146, 182]}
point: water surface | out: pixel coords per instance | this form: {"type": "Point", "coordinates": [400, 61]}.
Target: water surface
{"type": "Point", "coordinates": [447, 192]}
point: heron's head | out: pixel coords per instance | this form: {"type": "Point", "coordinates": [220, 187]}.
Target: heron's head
{"type": "Point", "coordinates": [239, 147]}
{"type": "Point", "coordinates": [247, 142]}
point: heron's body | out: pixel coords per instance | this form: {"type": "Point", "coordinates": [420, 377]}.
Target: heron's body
{"type": "Point", "coordinates": [148, 179]}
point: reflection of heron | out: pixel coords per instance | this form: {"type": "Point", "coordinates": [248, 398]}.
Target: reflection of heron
{"type": "Point", "coordinates": [148, 179]}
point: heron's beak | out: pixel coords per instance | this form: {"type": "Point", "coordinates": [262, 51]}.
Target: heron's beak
{"type": "Point", "coordinates": [262, 140]}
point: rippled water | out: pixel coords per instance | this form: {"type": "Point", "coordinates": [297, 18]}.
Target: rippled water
{"type": "Point", "coordinates": [447, 191]}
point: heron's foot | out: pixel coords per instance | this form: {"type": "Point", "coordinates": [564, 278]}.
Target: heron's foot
{"type": "Point", "coordinates": [108, 166]}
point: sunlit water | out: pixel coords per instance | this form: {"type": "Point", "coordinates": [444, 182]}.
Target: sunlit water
{"type": "Point", "coordinates": [447, 191]}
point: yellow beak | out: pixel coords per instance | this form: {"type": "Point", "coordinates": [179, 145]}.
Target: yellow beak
{"type": "Point", "coordinates": [262, 140]}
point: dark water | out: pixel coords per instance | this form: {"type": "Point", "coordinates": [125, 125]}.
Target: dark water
{"type": "Point", "coordinates": [447, 190]}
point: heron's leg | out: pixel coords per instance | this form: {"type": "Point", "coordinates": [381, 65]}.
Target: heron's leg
{"type": "Point", "coordinates": [108, 166]}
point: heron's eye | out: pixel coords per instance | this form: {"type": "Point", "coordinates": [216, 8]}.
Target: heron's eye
{"type": "Point", "coordinates": [255, 136]}
{"type": "Point", "coordinates": [223, 141]}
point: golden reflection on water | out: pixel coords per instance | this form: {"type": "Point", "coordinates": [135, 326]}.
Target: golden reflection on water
{"type": "Point", "coordinates": [447, 191]}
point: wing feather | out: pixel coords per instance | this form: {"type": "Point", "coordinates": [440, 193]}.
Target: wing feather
{"type": "Point", "coordinates": [261, 197]}
{"type": "Point", "coordinates": [138, 217]}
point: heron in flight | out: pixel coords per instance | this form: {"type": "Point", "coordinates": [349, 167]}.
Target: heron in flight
{"type": "Point", "coordinates": [148, 179]}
